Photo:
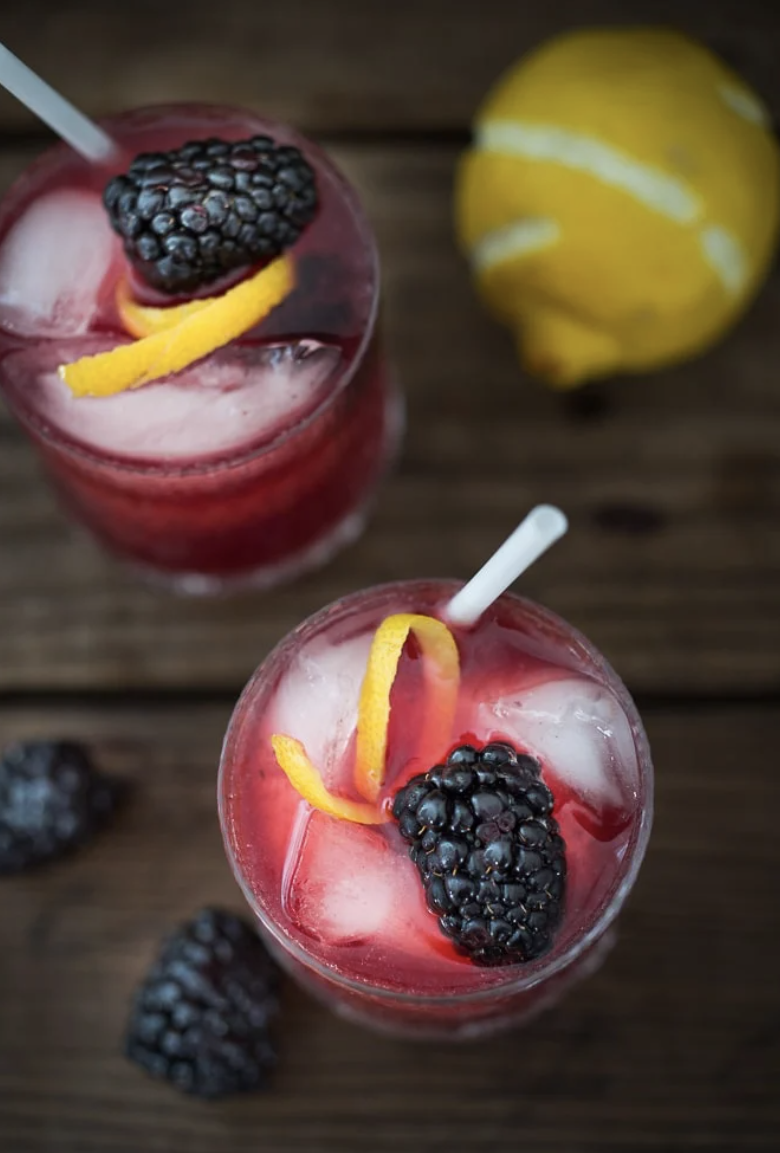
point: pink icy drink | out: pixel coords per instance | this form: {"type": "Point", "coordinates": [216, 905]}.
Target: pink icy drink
{"type": "Point", "coordinates": [342, 904]}
{"type": "Point", "coordinates": [246, 466]}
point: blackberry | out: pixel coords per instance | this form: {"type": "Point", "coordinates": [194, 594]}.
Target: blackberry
{"type": "Point", "coordinates": [190, 215]}
{"type": "Point", "coordinates": [489, 852]}
{"type": "Point", "coordinates": [52, 799]}
{"type": "Point", "coordinates": [200, 1018]}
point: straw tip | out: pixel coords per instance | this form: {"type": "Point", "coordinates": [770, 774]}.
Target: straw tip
{"type": "Point", "coordinates": [550, 520]}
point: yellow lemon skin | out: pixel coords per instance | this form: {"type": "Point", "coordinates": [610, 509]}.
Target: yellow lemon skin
{"type": "Point", "coordinates": [620, 203]}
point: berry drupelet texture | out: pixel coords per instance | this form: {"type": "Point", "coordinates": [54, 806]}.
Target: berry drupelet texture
{"type": "Point", "coordinates": [191, 215]}
{"type": "Point", "coordinates": [489, 852]}
{"type": "Point", "coordinates": [52, 799]}
{"type": "Point", "coordinates": [200, 1019]}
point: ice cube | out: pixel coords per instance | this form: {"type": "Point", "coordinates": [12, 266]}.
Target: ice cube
{"type": "Point", "coordinates": [53, 263]}
{"type": "Point", "coordinates": [237, 396]}
{"type": "Point", "coordinates": [578, 728]}
{"type": "Point", "coordinates": [345, 886]}
{"type": "Point", "coordinates": [317, 703]}
{"type": "Point", "coordinates": [346, 883]}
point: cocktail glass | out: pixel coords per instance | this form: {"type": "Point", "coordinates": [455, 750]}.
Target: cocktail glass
{"type": "Point", "coordinates": [341, 904]}
{"type": "Point", "coordinates": [252, 464]}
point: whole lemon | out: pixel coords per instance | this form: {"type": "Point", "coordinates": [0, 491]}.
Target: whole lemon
{"type": "Point", "coordinates": [619, 205]}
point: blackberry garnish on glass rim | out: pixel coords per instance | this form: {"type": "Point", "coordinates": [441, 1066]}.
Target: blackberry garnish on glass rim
{"type": "Point", "coordinates": [488, 851]}
{"type": "Point", "coordinates": [192, 214]}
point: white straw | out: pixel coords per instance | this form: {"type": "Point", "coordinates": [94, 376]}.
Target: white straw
{"type": "Point", "coordinates": [543, 526]}
{"type": "Point", "coordinates": [73, 126]}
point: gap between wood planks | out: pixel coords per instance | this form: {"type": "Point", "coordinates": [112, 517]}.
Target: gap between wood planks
{"type": "Point", "coordinates": [165, 697]}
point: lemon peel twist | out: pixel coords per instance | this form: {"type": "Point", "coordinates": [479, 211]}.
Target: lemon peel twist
{"type": "Point", "coordinates": [173, 338]}
{"type": "Point", "coordinates": [442, 674]}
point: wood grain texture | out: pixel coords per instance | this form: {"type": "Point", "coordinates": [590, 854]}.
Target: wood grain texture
{"type": "Point", "coordinates": [673, 1045]}
{"type": "Point", "coordinates": [334, 64]}
{"type": "Point", "coordinates": [672, 483]}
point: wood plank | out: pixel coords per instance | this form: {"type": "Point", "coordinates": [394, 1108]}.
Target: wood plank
{"type": "Point", "coordinates": [345, 66]}
{"type": "Point", "coordinates": [674, 1045]}
{"type": "Point", "coordinates": [672, 483]}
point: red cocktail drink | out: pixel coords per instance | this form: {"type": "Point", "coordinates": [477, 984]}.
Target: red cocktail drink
{"type": "Point", "coordinates": [257, 459]}
{"type": "Point", "coordinates": [501, 903]}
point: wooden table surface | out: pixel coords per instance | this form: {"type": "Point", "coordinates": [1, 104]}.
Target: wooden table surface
{"type": "Point", "coordinates": [672, 566]}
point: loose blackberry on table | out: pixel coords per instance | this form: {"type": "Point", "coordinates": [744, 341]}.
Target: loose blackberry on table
{"type": "Point", "coordinates": [52, 799]}
{"type": "Point", "coordinates": [488, 851]}
{"type": "Point", "coordinates": [200, 1018]}
{"type": "Point", "coordinates": [190, 215]}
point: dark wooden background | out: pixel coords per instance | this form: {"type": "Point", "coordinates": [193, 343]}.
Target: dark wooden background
{"type": "Point", "coordinates": [672, 566]}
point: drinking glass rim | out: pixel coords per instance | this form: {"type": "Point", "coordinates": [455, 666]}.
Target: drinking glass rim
{"type": "Point", "coordinates": [541, 970]}
{"type": "Point", "coordinates": [39, 427]}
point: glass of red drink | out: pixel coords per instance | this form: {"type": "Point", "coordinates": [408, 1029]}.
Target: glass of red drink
{"type": "Point", "coordinates": [249, 465]}
{"type": "Point", "coordinates": [530, 885]}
